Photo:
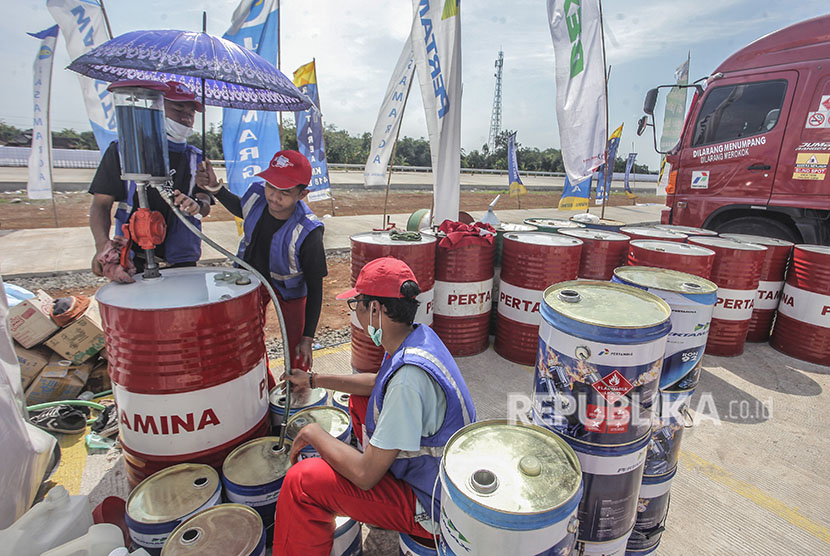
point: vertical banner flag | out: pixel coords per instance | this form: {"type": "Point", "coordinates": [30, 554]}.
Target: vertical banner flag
{"type": "Point", "coordinates": [310, 139]}
{"type": "Point", "coordinates": [436, 41]}
{"type": "Point", "coordinates": [576, 196]}
{"type": "Point", "coordinates": [580, 85]}
{"type": "Point", "coordinates": [251, 137]}
{"type": "Point", "coordinates": [629, 164]}
{"type": "Point", "coordinates": [604, 177]}
{"type": "Point", "coordinates": [40, 160]}
{"type": "Point", "coordinates": [389, 118]}
{"type": "Point", "coordinates": [673, 118]}
{"type": "Point", "coordinates": [83, 28]}
{"type": "Point", "coordinates": [516, 186]}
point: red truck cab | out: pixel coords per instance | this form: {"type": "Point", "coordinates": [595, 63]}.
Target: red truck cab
{"type": "Point", "coordinates": [754, 151]}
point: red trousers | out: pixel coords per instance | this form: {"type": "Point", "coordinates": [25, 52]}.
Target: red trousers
{"type": "Point", "coordinates": [293, 313]}
{"type": "Point", "coordinates": [313, 494]}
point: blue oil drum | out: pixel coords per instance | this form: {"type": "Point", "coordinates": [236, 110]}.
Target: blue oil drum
{"type": "Point", "coordinates": [692, 300]}
{"type": "Point", "coordinates": [598, 362]}
{"type": "Point", "coordinates": [652, 510]}
{"type": "Point", "coordinates": [409, 546]}
{"type": "Point", "coordinates": [340, 400]}
{"type": "Point", "coordinates": [162, 501]}
{"type": "Point", "coordinates": [299, 401]}
{"type": "Point", "coordinates": [252, 475]}
{"type": "Point", "coordinates": [508, 488]}
{"type": "Point", "coordinates": [671, 417]}
{"type": "Point", "coordinates": [612, 476]}
{"type": "Point", "coordinates": [333, 420]}
{"type": "Point", "coordinates": [348, 540]}
{"type": "Point", "coordinates": [226, 529]}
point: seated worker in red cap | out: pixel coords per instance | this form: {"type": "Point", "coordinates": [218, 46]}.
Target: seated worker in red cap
{"type": "Point", "coordinates": [417, 401]}
{"type": "Point", "coordinates": [181, 247]}
{"type": "Point", "coordinates": [283, 240]}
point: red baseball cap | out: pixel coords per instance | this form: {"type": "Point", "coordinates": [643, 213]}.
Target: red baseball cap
{"type": "Point", "coordinates": [287, 169]}
{"type": "Point", "coordinates": [381, 278]}
{"type": "Point", "coordinates": [179, 92]}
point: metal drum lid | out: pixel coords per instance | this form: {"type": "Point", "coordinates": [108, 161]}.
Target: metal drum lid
{"type": "Point", "coordinates": [172, 493]}
{"type": "Point", "coordinates": [340, 398]}
{"type": "Point", "coordinates": [672, 247]}
{"type": "Point", "coordinates": [305, 398]}
{"type": "Point", "coordinates": [333, 420]}
{"type": "Point", "coordinates": [178, 288]}
{"type": "Point", "coordinates": [760, 240]}
{"type": "Point", "coordinates": [601, 235]}
{"type": "Point", "coordinates": [666, 280]}
{"type": "Point", "coordinates": [817, 249]}
{"type": "Point", "coordinates": [512, 467]}
{"type": "Point", "coordinates": [688, 230]}
{"type": "Point", "coordinates": [606, 304]}
{"type": "Point", "coordinates": [726, 243]}
{"type": "Point", "coordinates": [552, 223]}
{"type": "Point", "coordinates": [656, 233]}
{"type": "Point", "coordinates": [385, 238]}
{"type": "Point", "coordinates": [226, 529]}
{"type": "Point", "coordinates": [543, 239]}
{"type": "Point", "coordinates": [512, 227]}
{"type": "Point", "coordinates": [257, 462]}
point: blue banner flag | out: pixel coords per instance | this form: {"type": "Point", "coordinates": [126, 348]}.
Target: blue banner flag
{"type": "Point", "coordinates": [603, 177]}
{"type": "Point", "coordinates": [516, 186]}
{"type": "Point", "coordinates": [310, 139]}
{"type": "Point", "coordinates": [629, 164]}
{"type": "Point", "coordinates": [251, 137]}
{"type": "Point", "coordinates": [575, 196]}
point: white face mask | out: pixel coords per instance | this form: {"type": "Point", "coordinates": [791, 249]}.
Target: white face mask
{"type": "Point", "coordinates": [177, 132]}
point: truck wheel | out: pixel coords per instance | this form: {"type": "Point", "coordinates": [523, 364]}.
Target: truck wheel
{"type": "Point", "coordinates": [766, 227]}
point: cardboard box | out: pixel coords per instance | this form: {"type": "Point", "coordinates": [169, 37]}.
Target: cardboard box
{"type": "Point", "coordinates": [80, 339]}
{"type": "Point", "coordinates": [30, 321]}
{"type": "Point", "coordinates": [99, 378]}
{"type": "Point", "coordinates": [31, 362]}
{"type": "Point", "coordinates": [58, 380]}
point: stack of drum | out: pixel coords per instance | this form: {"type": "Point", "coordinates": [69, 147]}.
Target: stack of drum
{"type": "Point", "coordinates": [802, 327]}
{"type": "Point", "coordinates": [601, 348]}
{"type": "Point", "coordinates": [648, 232]}
{"type": "Point", "coordinates": [532, 261]}
{"type": "Point", "coordinates": [773, 271]}
{"type": "Point", "coordinates": [737, 272]}
{"type": "Point", "coordinates": [419, 255]}
{"type": "Point", "coordinates": [602, 252]}
{"type": "Point", "coordinates": [683, 257]}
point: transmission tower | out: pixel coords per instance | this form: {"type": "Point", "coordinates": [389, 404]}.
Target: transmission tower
{"type": "Point", "coordinates": [495, 118]}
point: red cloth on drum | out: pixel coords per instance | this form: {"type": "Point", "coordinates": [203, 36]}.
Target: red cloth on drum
{"type": "Point", "coordinates": [459, 234]}
{"type": "Point", "coordinates": [313, 493]}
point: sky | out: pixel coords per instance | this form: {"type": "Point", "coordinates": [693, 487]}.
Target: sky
{"type": "Point", "coordinates": [356, 44]}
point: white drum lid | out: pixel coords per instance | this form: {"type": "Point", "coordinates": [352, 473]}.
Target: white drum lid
{"type": "Point", "coordinates": [672, 247]}
{"type": "Point", "coordinates": [385, 238]}
{"type": "Point", "coordinates": [543, 238]}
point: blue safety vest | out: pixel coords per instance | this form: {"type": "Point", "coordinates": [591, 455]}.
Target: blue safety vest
{"type": "Point", "coordinates": [423, 348]}
{"type": "Point", "coordinates": [284, 260]}
{"type": "Point", "coordinates": [180, 244]}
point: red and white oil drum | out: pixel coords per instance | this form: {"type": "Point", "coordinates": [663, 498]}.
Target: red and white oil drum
{"type": "Point", "coordinates": [419, 255]}
{"type": "Point", "coordinates": [682, 257]}
{"type": "Point", "coordinates": [502, 229]}
{"type": "Point", "coordinates": [187, 363]}
{"type": "Point", "coordinates": [771, 284]}
{"type": "Point", "coordinates": [463, 294]}
{"type": "Point", "coordinates": [531, 262]}
{"type": "Point", "coordinates": [802, 327]}
{"type": "Point", "coordinates": [737, 272]}
{"type": "Point", "coordinates": [688, 230]}
{"type": "Point", "coordinates": [602, 252]}
{"type": "Point", "coordinates": [649, 232]}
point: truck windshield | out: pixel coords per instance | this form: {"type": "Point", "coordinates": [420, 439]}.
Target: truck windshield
{"type": "Point", "coordinates": [741, 110]}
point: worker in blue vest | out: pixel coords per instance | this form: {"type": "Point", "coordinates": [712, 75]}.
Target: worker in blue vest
{"type": "Point", "coordinates": [283, 241]}
{"type": "Point", "coordinates": [416, 402]}
{"type": "Point", "coordinates": [181, 247]}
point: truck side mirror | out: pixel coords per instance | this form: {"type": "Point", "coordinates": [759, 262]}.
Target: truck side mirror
{"type": "Point", "coordinates": [650, 102]}
{"type": "Point", "coordinates": [641, 125]}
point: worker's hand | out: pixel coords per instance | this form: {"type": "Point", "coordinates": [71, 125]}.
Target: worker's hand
{"type": "Point", "coordinates": [185, 203]}
{"type": "Point", "coordinates": [303, 353]}
{"type": "Point", "coordinates": [302, 440]}
{"type": "Point", "coordinates": [206, 177]}
{"type": "Point", "coordinates": [97, 267]}
{"type": "Point", "coordinates": [299, 380]}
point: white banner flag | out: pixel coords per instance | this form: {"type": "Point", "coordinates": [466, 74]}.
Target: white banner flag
{"type": "Point", "coordinates": [82, 26]}
{"type": "Point", "coordinates": [580, 85]}
{"type": "Point", "coordinates": [389, 118]}
{"type": "Point", "coordinates": [436, 41]}
{"type": "Point", "coordinates": [40, 159]}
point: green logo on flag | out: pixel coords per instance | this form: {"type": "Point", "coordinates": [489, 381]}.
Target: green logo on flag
{"type": "Point", "coordinates": [573, 9]}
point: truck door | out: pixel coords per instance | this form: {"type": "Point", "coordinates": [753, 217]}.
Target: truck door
{"type": "Point", "coordinates": [802, 171]}
{"type": "Point", "coordinates": [730, 151]}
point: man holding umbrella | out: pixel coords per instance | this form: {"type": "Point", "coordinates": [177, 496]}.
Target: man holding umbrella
{"type": "Point", "coordinates": [181, 247]}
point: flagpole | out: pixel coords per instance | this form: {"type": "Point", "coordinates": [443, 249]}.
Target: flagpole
{"type": "Point", "coordinates": [279, 63]}
{"type": "Point", "coordinates": [394, 149]}
{"type": "Point", "coordinates": [106, 19]}
{"type": "Point", "coordinates": [607, 184]}
{"type": "Point", "coordinates": [49, 146]}
{"type": "Point", "coordinates": [204, 104]}
{"type": "Point", "coordinates": [322, 127]}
